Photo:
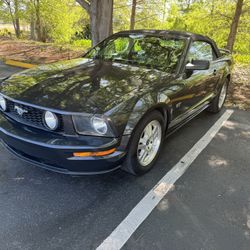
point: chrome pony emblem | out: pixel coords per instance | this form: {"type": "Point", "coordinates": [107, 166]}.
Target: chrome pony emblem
{"type": "Point", "coordinates": [20, 110]}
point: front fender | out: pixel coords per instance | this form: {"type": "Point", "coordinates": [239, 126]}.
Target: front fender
{"type": "Point", "coordinates": [226, 72]}
{"type": "Point", "coordinates": [143, 106]}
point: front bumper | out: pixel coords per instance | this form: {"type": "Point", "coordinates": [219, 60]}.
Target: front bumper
{"type": "Point", "coordinates": [55, 152]}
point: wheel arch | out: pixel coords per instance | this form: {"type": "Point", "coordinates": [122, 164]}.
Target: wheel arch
{"type": "Point", "coordinates": [165, 111]}
{"type": "Point", "coordinates": [137, 115]}
{"type": "Point", "coordinates": [225, 76]}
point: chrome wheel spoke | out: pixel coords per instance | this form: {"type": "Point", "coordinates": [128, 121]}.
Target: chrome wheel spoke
{"type": "Point", "coordinates": [141, 147]}
{"type": "Point", "coordinates": [144, 155]}
{"type": "Point", "coordinates": [155, 133]}
{"type": "Point", "coordinates": [143, 141]}
{"type": "Point", "coordinates": [148, 131]}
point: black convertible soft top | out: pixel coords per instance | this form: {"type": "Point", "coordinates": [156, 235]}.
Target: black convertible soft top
{"type": "Point", "coordinates": [167, 32]}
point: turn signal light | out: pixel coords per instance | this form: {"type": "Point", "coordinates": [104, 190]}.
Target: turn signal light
{"type": "Point", "coordinates": [100, 153]}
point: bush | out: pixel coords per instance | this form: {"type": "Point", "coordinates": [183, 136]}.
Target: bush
{"type": "Point", "coordinates": [85, 33]}
{"type": "Point", "coordinates": [5, 33]}
{"type": "Point", "coordinates": [84, 44]}
{"type": "Point", "coordinates": [242, 59]}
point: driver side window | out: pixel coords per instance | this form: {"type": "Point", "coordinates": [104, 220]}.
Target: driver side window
{"type": "Point", "coordinates": [200, 50]}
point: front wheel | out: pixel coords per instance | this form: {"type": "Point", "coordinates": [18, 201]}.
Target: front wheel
{"type": "Point", "coordinates": [218, 102]}
{"type": "Point", "coordinates": [145, 144]}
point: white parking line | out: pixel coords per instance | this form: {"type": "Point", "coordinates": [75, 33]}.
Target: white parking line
{"type": "Point", "coordinates": [141, 211]}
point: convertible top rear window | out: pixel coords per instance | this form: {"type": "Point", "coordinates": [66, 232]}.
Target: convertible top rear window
{"type": "Point", "coordinates": [150, 51]}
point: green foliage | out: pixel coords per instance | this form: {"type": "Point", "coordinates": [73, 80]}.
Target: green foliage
{"type": "Point", "coordinates": [211, 18]}
{"type": "Point", "coordinates": [149, 14]}
{"type": "Point", "coordinates": [5, 33]}
{"type": "Point", "coordinates": [60, 19]}
{"type": "Point", "coordinates": [65, 22]}
{"type": "Point", "coordinates": [85, 33]}
{"type": "Point", "coordinates": [242, 58]}
{"type": "Point", "coordinates": [84, 44]}
{"type": "Point", "coordinates": [5, 11]}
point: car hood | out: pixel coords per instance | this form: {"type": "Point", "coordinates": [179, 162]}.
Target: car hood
{"type": "Point", "coordinates": [81, 85]}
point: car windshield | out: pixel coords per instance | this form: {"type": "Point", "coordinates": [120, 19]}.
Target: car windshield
{"type": "Point", "coordinates": [150, 51]}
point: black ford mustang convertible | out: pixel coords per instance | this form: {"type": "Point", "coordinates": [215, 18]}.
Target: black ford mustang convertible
{"type": "Point", "coordinates": [113, 107]}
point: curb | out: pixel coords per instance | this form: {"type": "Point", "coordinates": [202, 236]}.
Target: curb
{"type": "Point", "coordinates": [19, 64]}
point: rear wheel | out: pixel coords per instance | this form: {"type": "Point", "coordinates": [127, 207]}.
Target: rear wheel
{"type": "Point", "coordinates": [145, 144]}
{"type": "Point", "coordinates": [219, 100]}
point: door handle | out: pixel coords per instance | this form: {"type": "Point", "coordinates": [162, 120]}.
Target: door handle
{"type": "Point", "coordinates": [215, 72]}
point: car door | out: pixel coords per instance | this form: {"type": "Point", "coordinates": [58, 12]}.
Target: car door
{"type": "Point", "coordinates": [198, 84]}
{"type": "Point", "coordinates": [213, 73]}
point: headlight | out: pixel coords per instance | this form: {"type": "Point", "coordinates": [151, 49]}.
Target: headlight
{"type": "Point", "coordinates": [100, 125]}
{"type": "Point", "coordinates": [3, 104]}
{"type": "Point", "coordinates": [92, 125]}
{"type": "Point", "coordinates": [51, 120]}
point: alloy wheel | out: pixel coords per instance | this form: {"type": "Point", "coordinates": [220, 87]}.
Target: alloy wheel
{"type": "Point", "coordinates": [149, 143]}
{"type": "Point", "coordinates": [223, 95]}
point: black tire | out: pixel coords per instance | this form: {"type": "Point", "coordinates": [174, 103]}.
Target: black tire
{"type": "Point", "coordinates": [131, 163]}
{"type": "Point", "coordinates": [214, 106]}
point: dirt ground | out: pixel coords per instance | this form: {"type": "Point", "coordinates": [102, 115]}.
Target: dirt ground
{"type": "Point", "coordinates": [34, 52]}
{"type": "Point", "coordinates": [37, 53]}
{"type": "Point", "coordinates": [239, 90]}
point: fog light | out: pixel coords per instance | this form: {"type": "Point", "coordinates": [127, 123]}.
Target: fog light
{"type": "Point", "coordinates": [51, 120]}
{"type": "Point", "coordinates": [3, 104]}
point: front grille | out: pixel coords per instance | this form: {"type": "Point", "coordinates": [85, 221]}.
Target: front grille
{"type": "Point", "coordinates": [32, 116]}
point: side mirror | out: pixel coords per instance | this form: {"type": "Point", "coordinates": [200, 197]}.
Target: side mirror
{"type": "Point", "coordinates": [198, 65]}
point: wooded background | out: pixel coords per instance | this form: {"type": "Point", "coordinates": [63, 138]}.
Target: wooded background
{"type": "Point", "coordinates": [82, 22]}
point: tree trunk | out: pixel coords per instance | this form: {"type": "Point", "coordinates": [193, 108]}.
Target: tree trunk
{"type": "Point", "coordinates": [14, 16]}
{"type": "Point", "coordinates": [132, 17]}
{"type": "Point", "coordinates": [32, 28]}
{"type": "Point", "coordinates": [17, 21]}
{"type": "Point", "coordinates": [17, 30]}
{"type": "Point", "coordinates": [38, 25]}
{"type": "Point", "coordinates": [101, 18]}
{"type": "Point", "coordinates": [234, 25]}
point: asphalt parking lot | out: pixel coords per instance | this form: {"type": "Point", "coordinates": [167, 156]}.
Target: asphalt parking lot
{"type": "Point", "coordinates": [207, 208]}
{"type": "Point", "coordinates": [5, 70]}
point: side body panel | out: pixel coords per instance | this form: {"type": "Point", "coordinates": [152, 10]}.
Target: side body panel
{"type": "Point", "coordinates": [184, 96]}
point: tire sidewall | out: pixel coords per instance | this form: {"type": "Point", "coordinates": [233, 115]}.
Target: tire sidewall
{"type": "Point", "coordinates": [214, 106]}
{"type": "Point", "coordinates": [132, 159]}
